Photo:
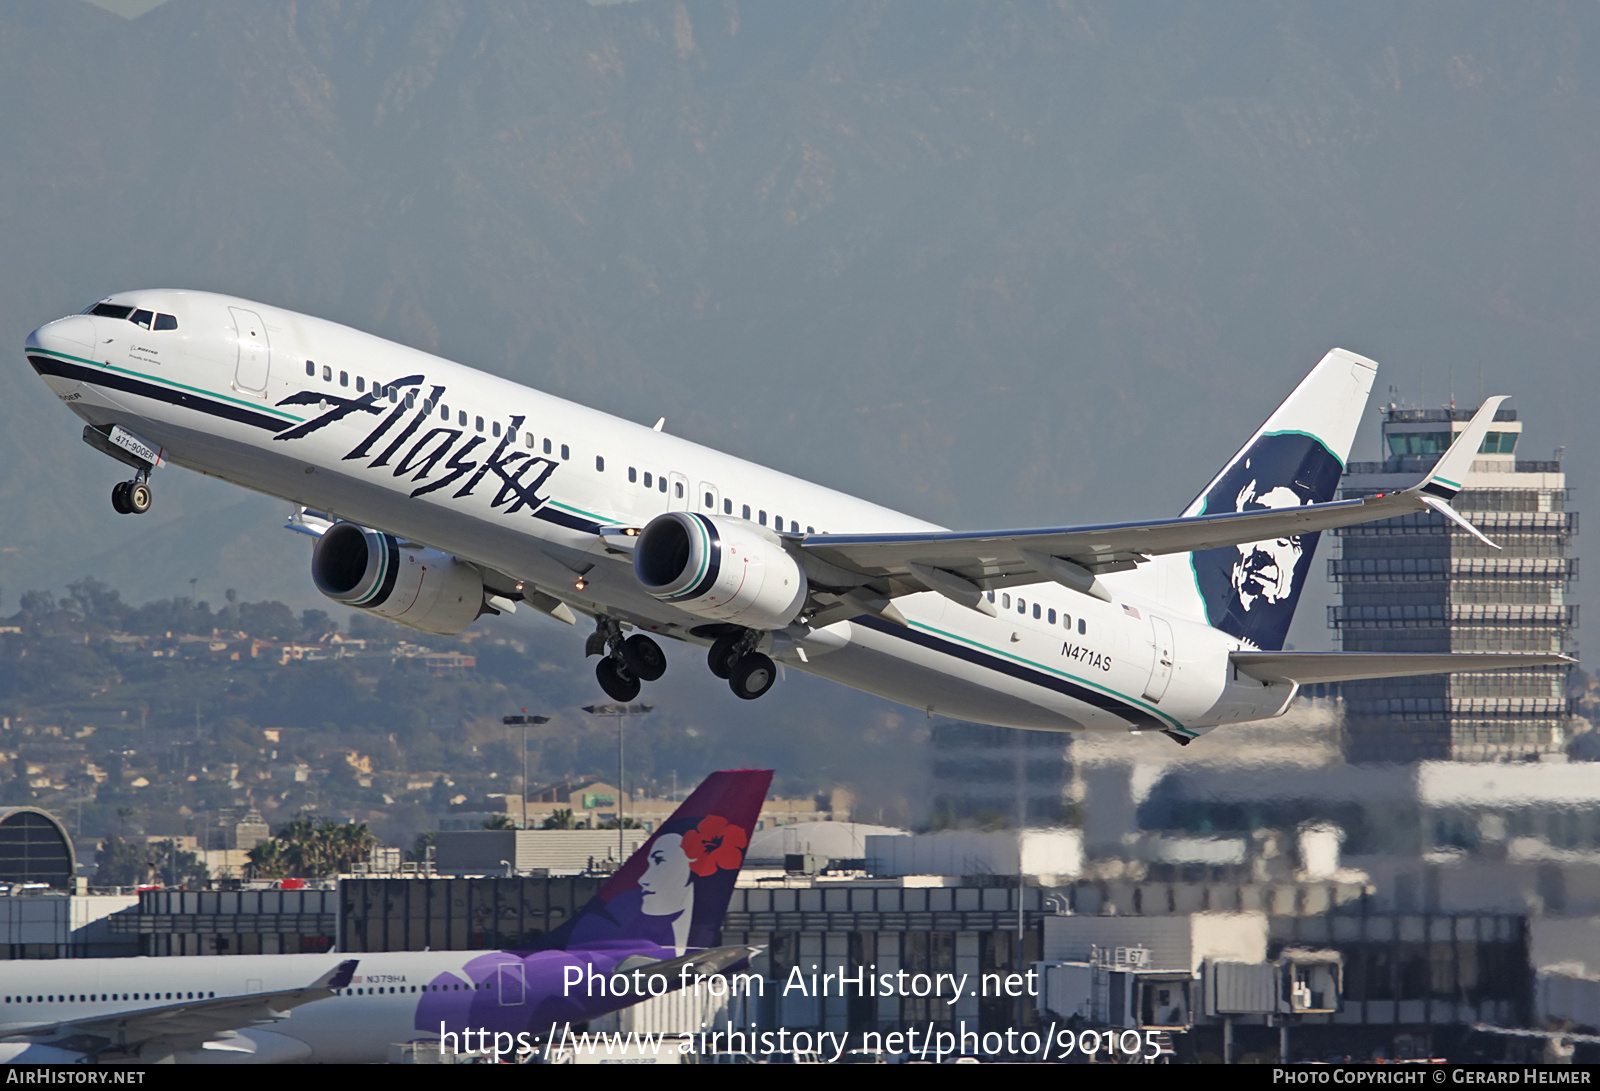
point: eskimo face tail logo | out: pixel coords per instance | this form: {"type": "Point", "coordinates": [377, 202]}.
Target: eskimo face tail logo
{"type": "Point", "coordinates": [1250, 590]}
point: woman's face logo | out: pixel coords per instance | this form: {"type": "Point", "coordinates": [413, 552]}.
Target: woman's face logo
{"type": "Point", "coordinates": [666, 877]}
{"type": "Point", "coordinates": [1266, 570]}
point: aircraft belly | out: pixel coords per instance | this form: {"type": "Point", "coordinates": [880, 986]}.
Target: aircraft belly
{"type": "Point", "coordinates": [922, 677]}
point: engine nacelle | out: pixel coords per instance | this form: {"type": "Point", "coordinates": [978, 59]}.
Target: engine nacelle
{"type": "Point", "coordinates": [422, 588]}
{"type": "Point", "coordinates": [721, 571]}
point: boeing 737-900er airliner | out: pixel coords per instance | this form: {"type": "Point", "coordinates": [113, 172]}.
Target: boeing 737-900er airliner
{"type": "Point", "coordinates": [438, 493]}
{"type": "Point", "coordinates": [650, 930]}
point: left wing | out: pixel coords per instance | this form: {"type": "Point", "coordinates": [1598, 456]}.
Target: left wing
{"type": "Point", "coordinates": [963, 565]}
{"type": "Point", "coordinates": [183, 1025]}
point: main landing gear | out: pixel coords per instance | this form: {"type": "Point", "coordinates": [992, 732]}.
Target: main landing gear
{"type": "Point", "coordinates": [627, 663]}
{"type": "Point", "coordinates": [132, 497]}
{"type": "Point", "coordinates": [750, 674]}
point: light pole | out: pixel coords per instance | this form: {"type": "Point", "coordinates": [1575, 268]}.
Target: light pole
{"type": "Point", "coordinates": [619, 711]}
{"type": "Point", "coordinates": [524, 720]}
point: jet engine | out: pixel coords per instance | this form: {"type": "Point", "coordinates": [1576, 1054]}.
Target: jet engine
{"type": "Point", "coordinates": [423, 588]}
{"type": "Point", "coordinates": [720, 570]}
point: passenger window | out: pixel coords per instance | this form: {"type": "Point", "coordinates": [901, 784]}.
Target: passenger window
{"type": "Point", "coordinates": [495, 428]}
{"type": "Point", "coordinates": [361, 384]}
{"type": "Point", "coordinates": [1005, 601]}
{"type": "Point", "coordinates": [991, 596]}
{"type": "Point", "coordinates": [143, 319]}
{"type": "Point", "coordinates": [411, 401]}
{"type": "Point", "coordinates": [547, 446]}
{"type": "Point", "coordinates": [810, 530]}
{"type": "Point", "coordinates": [444, 412]}
{"type": "Point", "coordinates": [747, 512]}
{"type": "Point", "coordinates": [564, 453]}
{"type": "Point", "coordinates": [600, 463]}
{"type": "Point", "coordinates": [394, 395]}
{"type": "Point", "coordinates": [677, 489]}
{"type": "Point", "coordinates": [661, 483]}
{"type": "Point", "coordinates": [710, 503]}
{"type": "Point", "coordinates": [1022, 606]}
{"type": "Point", "coordinates": [529, 441]}
{"type": "Point", "coordinates": [166, 322]}
{"type": "Point", "coordinates": [1052, 618]}
{"type": "Point", "coordinates": [1036, 611]}
{"type": "Point", "coordinates": [633, 474]}
{"type": "Point", "coordinates": [777, 523]}
{"type": "Point", "coordinates": [461, 418]}
{"type": "Point", "coordinates": [761, 517]}
{"type": "Point", "coordinates": [727, 507]}
{"type": "Point", "coordinates": [1083, 626]}
{"type": "Point", "coordinates": [311, 368]}
{"type": "Point", "coordinates": [344, 378]}
{"type": "Point", "coordinates": [649, 480]}
{"type": "Point", "coordinates": [794, 527]}
{"type": "Point", "coordinates": [479, 423]}
{"type": "Point", "coordinates": [1066, 620]}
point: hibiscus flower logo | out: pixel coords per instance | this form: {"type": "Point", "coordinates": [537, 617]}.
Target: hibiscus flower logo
{"type": "Point", "coordinates": [714, 844]}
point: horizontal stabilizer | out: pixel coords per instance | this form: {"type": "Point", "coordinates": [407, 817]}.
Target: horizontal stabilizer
{"type": "Point", "coordinates": [1308, 668]}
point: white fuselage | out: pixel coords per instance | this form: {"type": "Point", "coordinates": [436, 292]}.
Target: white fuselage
{"type": "Point", "coordinates": [394, 998]}
{"type": "Point", "coordinates": [519, 482]}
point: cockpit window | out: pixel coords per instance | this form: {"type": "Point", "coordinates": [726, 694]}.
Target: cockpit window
{"type": "Point", "coordinates": [145, 320]}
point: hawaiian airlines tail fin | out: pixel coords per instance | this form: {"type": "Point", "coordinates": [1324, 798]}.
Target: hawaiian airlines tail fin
{"type": "Point", "coordinates": [1295, 458]}
{"type": "Point", "coordinates": [675, 889]}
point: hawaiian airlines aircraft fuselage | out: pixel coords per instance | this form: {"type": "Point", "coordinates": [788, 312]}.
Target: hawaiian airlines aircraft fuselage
{"type": "Point", "coordinates": [465, 492]}
{"type": "Point", "coordinates": [650, 930]}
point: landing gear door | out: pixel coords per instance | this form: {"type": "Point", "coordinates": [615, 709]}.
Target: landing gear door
{"type": "Point", "coordinates": [1161, 664]}
{"type": "Point", "coordinates": [255, 354]}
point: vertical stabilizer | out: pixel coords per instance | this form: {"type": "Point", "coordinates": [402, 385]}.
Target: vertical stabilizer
{"type": "Point", "coordinates": [1296, 458]}
{"type": "Point", "coordinates": [675, 889]}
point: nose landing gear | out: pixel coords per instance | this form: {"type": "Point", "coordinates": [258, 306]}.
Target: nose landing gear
{"type": "Point", "coordinates": [132, 497]}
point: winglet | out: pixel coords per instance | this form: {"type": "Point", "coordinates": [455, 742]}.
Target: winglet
{"type": "Point", "coordinates": [1451, 469]}
{"type": "Point", "coordinates": [339, 977]}
{"type": "Point", "coordinates": [1444, 482]}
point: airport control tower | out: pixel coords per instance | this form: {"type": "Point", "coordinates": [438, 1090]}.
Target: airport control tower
{"type": "Point", "coordinates": [1421, 584]}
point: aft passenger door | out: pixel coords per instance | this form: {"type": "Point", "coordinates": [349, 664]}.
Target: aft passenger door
{"type": "Point", "coordinates": [1161, 663]}
{"type": "Point", "coordinates": [255, 353]}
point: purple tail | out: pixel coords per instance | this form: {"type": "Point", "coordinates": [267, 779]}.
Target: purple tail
{"type": "Point", "coordinates": [674, 891]}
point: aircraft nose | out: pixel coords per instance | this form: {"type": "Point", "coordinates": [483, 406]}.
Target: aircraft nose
{"type": "Point", "coordinates": [73, 336]}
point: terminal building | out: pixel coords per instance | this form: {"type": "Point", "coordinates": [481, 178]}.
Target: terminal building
{"type": "Point", "coordinates": [1421, 584]}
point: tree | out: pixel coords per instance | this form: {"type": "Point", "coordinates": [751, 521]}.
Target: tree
{"type": "Point", "coordinates": [268, 861]}
{"type": "Point", "coordinates": [422, 847]}
{"type": "Point", "coordinates": [559, 820]}
{"type": "Point", "coordinates": [317, 851]}
{"type": "Point", "coordinates": [499, 822]}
